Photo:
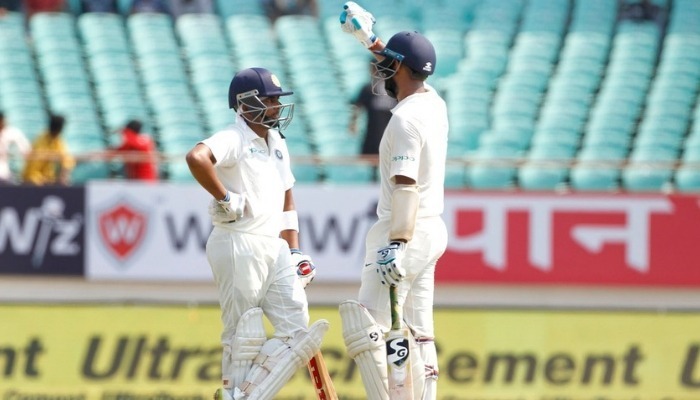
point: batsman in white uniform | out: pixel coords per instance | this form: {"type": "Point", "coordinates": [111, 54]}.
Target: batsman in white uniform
{"type": "Point", "coordinates": [409, 237]}
{"type": "Point", "coordinates": [253, 247]}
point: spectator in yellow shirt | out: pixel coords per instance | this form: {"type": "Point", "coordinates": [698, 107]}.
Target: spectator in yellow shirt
{"type": "Point", "coordinates": [50, 162]}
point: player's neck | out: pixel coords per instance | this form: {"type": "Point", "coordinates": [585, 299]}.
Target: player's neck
{"type": "Point", "coordinates": [411, 88]}
{"type": "Point", "coordinates": [259, 130]}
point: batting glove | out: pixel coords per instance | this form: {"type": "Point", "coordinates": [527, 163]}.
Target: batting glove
{"type": "Point", "coordinates": [359, 22]}
{"type": "Point", "coordinates": [389, 263]}
{"type": "Point", "coordinates": [228, 209]}
{"type": "Point", "coordinates": [306, 271]}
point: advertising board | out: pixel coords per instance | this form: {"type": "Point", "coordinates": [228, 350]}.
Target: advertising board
{"type": "Point", "coordinates": [572, 239]}
{"type": "Point", "coordinates": [172, 352]}
{"type": "Point", "coordinates": [159, 232]}
{"type": "Point", "coordinates": [42, 230]}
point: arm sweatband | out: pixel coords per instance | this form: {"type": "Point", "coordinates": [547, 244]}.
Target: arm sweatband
{"type": "Point", "coordinates": [290, 221]}
{"type": "Point", "coordinates": [404, 208]}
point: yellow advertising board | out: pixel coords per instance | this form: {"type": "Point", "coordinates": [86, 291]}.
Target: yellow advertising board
{"type": "Point", "coordinates": [117, 352]}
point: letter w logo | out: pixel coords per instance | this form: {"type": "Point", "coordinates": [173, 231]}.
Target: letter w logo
{"type": "Point", "coordinates": [122, 230]}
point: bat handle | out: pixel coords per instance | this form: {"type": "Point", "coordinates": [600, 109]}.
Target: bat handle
{"type": "Point", "coordinates": [395, 316]}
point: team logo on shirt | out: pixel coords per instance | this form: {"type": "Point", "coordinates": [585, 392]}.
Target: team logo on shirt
{"type": "Point", "coordinates": [403, 158]}
{"type": "Point", "coordinates": [278, 154]}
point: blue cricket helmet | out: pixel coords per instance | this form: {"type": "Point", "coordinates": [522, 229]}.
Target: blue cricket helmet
{"type": "Point", "coordinates": [247, 81]}
{"type": "Point", "coordinates": [247, 88]}
{"type": "Point", "coordinates": [413, 50]}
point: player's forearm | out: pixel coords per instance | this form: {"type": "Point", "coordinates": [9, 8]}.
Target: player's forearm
{"type": "Point", "coordinates": [291, 237]}
{"type": "Point", "coordinates": [203, 172]}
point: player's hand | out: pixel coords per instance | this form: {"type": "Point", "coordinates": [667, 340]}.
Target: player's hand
{"type": "Point", "coordinates": [359, 22]}
{"type": "Point", "coordinates": [389, 260]}
{"type": "Point", "coordinates": [306, 271]}
{"type": "Point", "coordinates": [229, 209]}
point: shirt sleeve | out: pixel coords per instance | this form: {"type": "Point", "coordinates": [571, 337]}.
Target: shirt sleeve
{"type": "Point", "coordinates": [406, 145]}
{"type": "Point", "coordinates": [23, 144]}
{"type": "Point", "coordinates": [225, 147]}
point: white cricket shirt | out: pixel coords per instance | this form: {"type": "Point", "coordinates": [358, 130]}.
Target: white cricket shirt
{"type": "Point", "coordinates": [9, 136]}
{"type": "Point", "coordinates": [245, 164]}
{"type": "Point", "coordinates": [415, 145]}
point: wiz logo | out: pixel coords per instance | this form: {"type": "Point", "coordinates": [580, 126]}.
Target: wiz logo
{"type": "Point", "coordinates": [44, 230]}
{"type": "Point", "coordinates": [122, 229]}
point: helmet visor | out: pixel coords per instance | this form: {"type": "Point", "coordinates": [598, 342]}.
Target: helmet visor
{"type": "Point", "coordinates": [270, 116]}
{"type": "Point", "coordinates": [383, 71]}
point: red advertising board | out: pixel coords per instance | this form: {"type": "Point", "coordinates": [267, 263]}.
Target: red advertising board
{"type": "Point", "coordinates": [611, 239]}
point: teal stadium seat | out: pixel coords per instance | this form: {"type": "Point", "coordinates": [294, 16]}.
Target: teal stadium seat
{"type": "Point", "coordinates": [348, 174]}
{"type": "Point", "coordinates": [546, 167]}
{"type": "Point", "coordinates": [649, 169]}
{"type": "Point", "coordinates": [227, 8]}
{"type": "Point", "coordinates": [455, 176]}
{"type": "Point", "coordinates": [687, 177]}
{"type": "Point", "coordinates": [597, 169]}
{"type": "Point", "coordinates": [494, 167]}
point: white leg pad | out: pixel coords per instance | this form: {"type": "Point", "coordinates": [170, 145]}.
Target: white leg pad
{"type": "Point", "coordinates": [278, 361]}
{"type": "Point", "coordinates": [428, 353]}
{"type": "Point", "coordinates": [365, 344]}
{"type": "Point", "coordinates": [245, 346]}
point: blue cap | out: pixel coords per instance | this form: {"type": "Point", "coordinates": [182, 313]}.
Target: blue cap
{"type": "Point", "coordinates": [265, 82]}
{"type": "Point", "coordinates": [413, 50]}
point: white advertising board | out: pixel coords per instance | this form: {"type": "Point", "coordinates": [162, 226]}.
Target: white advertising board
{"type": "Point", "coordinates": [138, 231]}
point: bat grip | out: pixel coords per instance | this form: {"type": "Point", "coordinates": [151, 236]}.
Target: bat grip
{"type": "Point", "coordinates": [395, 318]}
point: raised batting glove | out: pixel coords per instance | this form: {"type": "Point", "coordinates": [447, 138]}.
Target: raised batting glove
{"type": "Point", "coordinates": [389, 263]}
{"type": "Point", "coordinates": [306, 271]}
{"type": "Point", "coordinates": [228, 209]}
{"type": "Point", "coordinates": [359, 22]}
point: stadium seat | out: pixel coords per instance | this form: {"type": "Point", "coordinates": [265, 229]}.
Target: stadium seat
{"type": "Point", "coordinates": [687, 178]}
{"type": "Point", "coordinates": [178, 171]}
{"type": "Point", "coordinates": [455, 176]}
{"type": "Point", "coordinates": [494, 167]}
{"type": "Point", "coordinates": [546, 167]}
{"type": "Point", "coordinates": [650, 169]}
{"type": "Point", "coordinates": [348, 174]}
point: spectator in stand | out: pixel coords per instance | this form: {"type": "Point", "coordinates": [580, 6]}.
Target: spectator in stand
{"type": "Point", "coordinates": [639, 10]}
{"type": "Point", "coordinates": [180, 7]}
{"type": "Point", "coordinates": [32, 7]}
{"type": "Point", "coordinates": [10, 5]}
{"type": "Point", "coordinates": [11, 140]}
{"type": "Point", "coordinates": [49, 162]}
{"type": "Point", "coordinates": [139, 152]}
{"type": "Point", "coordinates": [373, 100]}
{"type": "Point", "coordinates": [150, 6]}
{"type": "Point", "coordinates": [277, 8]}
{"type": "Point", "coordinates": [107, 6]}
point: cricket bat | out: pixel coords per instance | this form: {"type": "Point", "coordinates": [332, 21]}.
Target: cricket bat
{"type": "Point", "coordinates": [323, 385]}
{"type": "Point", "coordinates": [397, 353]}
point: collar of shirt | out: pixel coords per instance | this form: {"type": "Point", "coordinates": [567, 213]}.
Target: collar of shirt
{"type": "Point", "coordinates": [251, 136]}
{"type": "Point", "coordinates": [428, 91]}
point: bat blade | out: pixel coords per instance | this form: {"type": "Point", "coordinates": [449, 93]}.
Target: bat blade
{"type": "Point", "coordinates": [398, 355]}
{"type": "Point", "coordinates": [321, 379]}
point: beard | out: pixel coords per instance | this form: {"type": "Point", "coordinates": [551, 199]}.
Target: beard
{"type": "Point", "coordinates": [390, 87]}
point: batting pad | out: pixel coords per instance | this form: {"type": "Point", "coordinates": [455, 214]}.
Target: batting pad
{"type": "Point", "coordinates": [365, 344]}
{"type": "Point", "coordinates": [278, 360]}
{"type": "Point", "coordinates": [245, 346]}
{"type": "Point", "coordinates": [428, 354]}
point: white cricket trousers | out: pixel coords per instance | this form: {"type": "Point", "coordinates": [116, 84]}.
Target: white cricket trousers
{"type": "Point", "coordinates": [416, 291]}
{"type": "Point", "coordinates": [256, 271]}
